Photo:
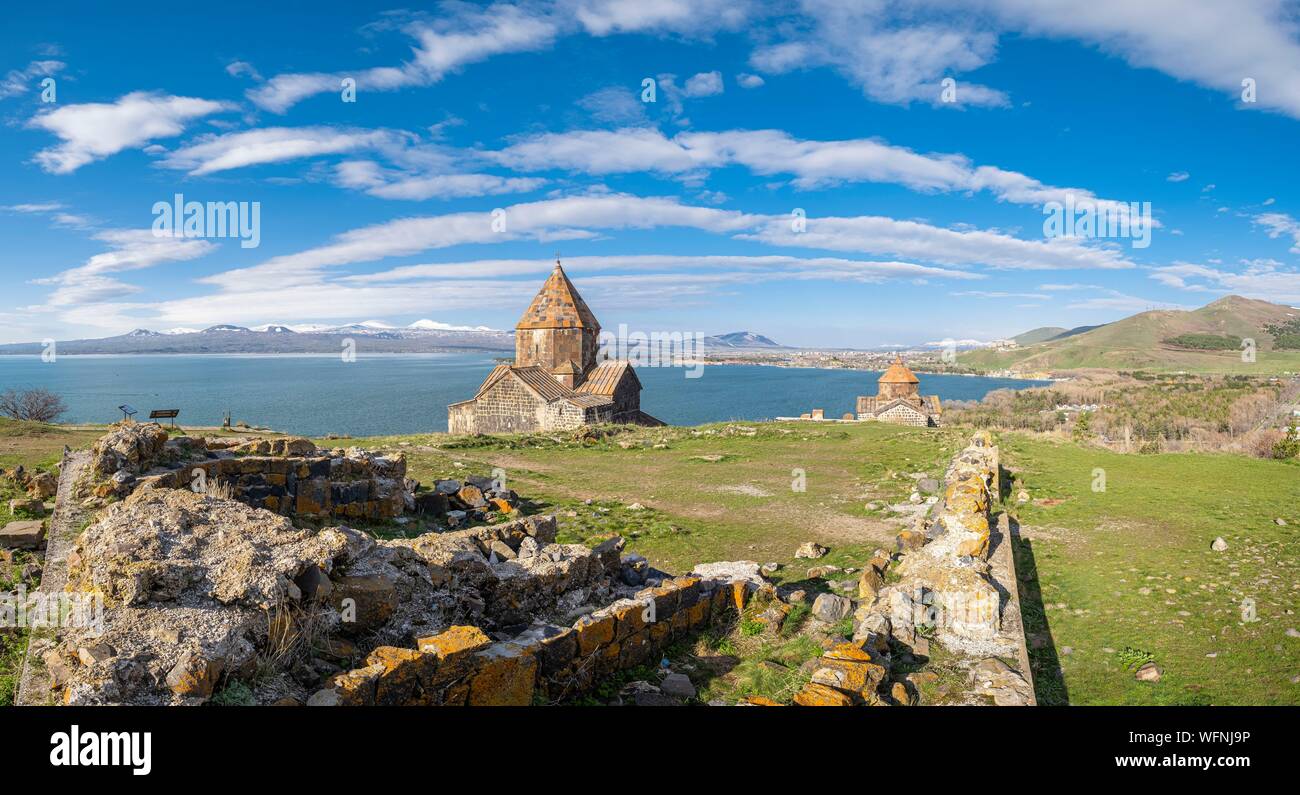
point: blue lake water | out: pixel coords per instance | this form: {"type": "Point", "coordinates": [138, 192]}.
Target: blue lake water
{"type": "Point", "coordinates": [396, 394]}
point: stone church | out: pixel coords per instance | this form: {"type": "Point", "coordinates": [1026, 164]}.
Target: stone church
{"type": "Point", "coordinates": [555, 383]}
{"type": "Point", "coordinates": [898, 399]}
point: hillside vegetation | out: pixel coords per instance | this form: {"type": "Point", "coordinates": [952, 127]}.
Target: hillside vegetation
{"type": "Point", "coordinates": [1156, 341]}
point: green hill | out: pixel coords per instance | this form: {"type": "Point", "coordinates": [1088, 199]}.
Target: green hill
{"type": "Point", "coordinates": [1163, 340]}
{"type": "Point", "coordinates": [1041, 334]}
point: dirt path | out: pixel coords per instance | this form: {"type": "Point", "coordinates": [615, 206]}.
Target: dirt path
{"type": "Point", "coordinates": [69, 515]}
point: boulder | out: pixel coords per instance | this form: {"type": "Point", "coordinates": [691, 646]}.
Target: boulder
{"type": "Point", "coordinates": [730, 571]}
{"type": "Point", "coordinates": [678, 686]}
{"type": "Point", "coordinates": [42, 486]}
{"type": "Point", "coordinates": [132, 446]}
{"type": "Point", "coordinates": [814, 694]}
{"type": "Point", "coordinates": [1149, 672]}
{"type": "Point", "coordinates": [22, 535]}
{"type": "Point", "coordinates": [1219, 545]}
{"type": "Point", "coordinates": [811, 550]}
{"type": "Point", "coordinates": [831, 608]}
{"type": "Point", "coordinates": [32, 506]}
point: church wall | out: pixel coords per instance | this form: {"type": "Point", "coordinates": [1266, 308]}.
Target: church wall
{"type": "Point", "coordinates": [508, 407]}
{"type": "Point", "coordinates": [548, 347]}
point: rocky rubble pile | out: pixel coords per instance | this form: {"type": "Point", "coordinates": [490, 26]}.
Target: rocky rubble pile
{"type": "Point", "coordinates": [201, 593]}
{"type": "Point", "coordinates": [39, 486]}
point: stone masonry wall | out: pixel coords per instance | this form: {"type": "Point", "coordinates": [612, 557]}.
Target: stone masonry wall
{"type": "Point", "coordinates": [546, 662]}
{"type": "Point", "coordinates": [352, 485]}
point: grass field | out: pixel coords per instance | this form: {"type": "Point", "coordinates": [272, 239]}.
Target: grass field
{"type": "Point", "coordinates": [1127, 568]}
{"type": "Point", "coordinates": [1107, 575]}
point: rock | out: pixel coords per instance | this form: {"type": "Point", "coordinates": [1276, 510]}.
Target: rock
{"type": "Point", "coordinates": [365, 602]}
{"type": "Point", "coordinates": [132, 446]}
{"type": "Point", "coordinates": [1219, 545]}
{"type": "Point", "coordinates": [636, 506]}
{"type": "Point", "coordinates": [900, 695]}
{"type": "Point", "coordinates": [447, 487]}
{"type": "Point", "coordinates": [1006, 686]}
{"type": "Point", "coordinates": [42, 486]}
{"type": "Point", "coordinates": [529, 548]}
{"type": "Point", "coordinates": [927, 485]}
{"type": "Point", "coordinates": [34, 507]}
{"type": "Point", "coordinates": [820, 572]}
{"type": "Point", "coordinates": [1280, 522]}
{"type": "Point", "coordinates": [23, 535]}
{"type": "Point", "coordinates": [909, 540]}
{"type": "Point", "coordinates": [1022, 496]}
{"type": "Point", "coordinates": [471, 496]}
{"type": "Point", "coordinates": [194, 676]}
{"type": "Point", "coordinates": [633, 570]}
{"type": "Point", "coordinates": [831, 608]}
{"type": "Point", "coordinates": [771, 568]}
{"type": "Point", "coordinates": [1150, 672]}
{"type": "Point", "coordinates": [678, 686]}
{"type": "Point", "coordinates": [96, 653]}
{"type": "Point", "coordinates": [314, 583]}
{"type": "Point", "coordinates": [730, 571]}
{"type": "Point", "coordinates": [811, 550]}
{"type": "Point", "coordinates": [324, 698]}
{"type": "Point", "coordinates": [869, 583]}
{"type": "Point", "coordinates": [1292, 632]}
{"type": "Point", "coordinates": [502, 550]}
{"type": "Point", "coordinates": [819, 695]}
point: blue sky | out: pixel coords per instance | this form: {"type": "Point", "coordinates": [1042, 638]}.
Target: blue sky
{"type": "Point", "coordinates": [924, 217]}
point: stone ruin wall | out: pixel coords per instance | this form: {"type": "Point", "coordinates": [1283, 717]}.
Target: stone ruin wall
{"type": "Point", "coordinates": [548, 662]}
{"type": "Point", "coordinates": [285, 476]}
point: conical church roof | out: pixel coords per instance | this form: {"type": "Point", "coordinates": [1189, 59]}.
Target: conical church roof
{"type": "Point", "coordinates": [558, 305]}
{"type": "Point", "coordinates": [898, 373]}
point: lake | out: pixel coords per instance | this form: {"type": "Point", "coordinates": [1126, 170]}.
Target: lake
{"type": "Point", "coordinates": [409, 393]}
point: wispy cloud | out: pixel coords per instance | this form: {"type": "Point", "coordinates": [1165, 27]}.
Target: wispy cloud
{"type": "Point", "coordinates": [94, 131]}
{"type": "Point", "coordinates": [20, 81]}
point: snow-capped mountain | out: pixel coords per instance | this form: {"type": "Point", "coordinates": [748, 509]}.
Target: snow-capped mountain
{"type": "Point", "coordinates": [422, 336]}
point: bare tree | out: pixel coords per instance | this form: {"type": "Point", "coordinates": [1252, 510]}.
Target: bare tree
{"type": "Point", "coordinates": [38, 405]}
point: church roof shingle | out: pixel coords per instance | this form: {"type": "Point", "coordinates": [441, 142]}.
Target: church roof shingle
{"type": "Point", "coordinates": [558, 305]}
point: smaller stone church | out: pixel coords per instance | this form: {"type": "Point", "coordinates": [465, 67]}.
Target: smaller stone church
{"type": "Point", "coordinates": [556, 382]}
{"type": "Point", "coordinates": [898, 399]}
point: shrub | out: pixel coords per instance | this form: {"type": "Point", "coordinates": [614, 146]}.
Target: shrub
{"type": "Point", "coordinates": [35, 405]}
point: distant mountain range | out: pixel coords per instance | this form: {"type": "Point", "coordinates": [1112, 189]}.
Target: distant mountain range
{"type": "Point", "coordinates": [1209, 339]}
{"type": "Point", "coordinates": [740, 340]}
{"type": "Point", "coordinates": [422, 336]}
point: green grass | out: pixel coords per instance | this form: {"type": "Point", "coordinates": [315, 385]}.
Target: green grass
{"type": "Point", "coordinates": [1132, 568]}
{"type": "Point", "coordinates": [742, 506]}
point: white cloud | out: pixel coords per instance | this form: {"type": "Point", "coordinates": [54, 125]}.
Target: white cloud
{"type": "Point", "coordinates": [1214, 44]}
{"type": "Point", "coordinates": [20, 81]}
{"type": "Point", "coordinates": [444, 46]}
{"type": "Point", "coordinates": [94, 131]}
{"type": "Point", "coordinates": [749, 81]}
{"type": "Point", "coordinates": [1265, 279]}
{"type": "Point", "coordinates": [129, 249]}
{"type": "Point", "coordinates": [215, 153]}
{"type": "Point", "coordinates": [1280, 225]}
{"type": "Point", "coordinates": [384, 183]}
{"type": "Point", "coordinates": [793, 267]}
{"type": "Point", "coordinates": [814, 164]}
{"type": "Point", "coordinates": [605, 17]}
{"type": "Point", "coordinates": [704, 84]}
{"type": "Point", "coordinates": [894, 58]}
{"type": "Point", "coordinates": [1178, 176]}
{"type": "Point", "coordinates": [998, 294]}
